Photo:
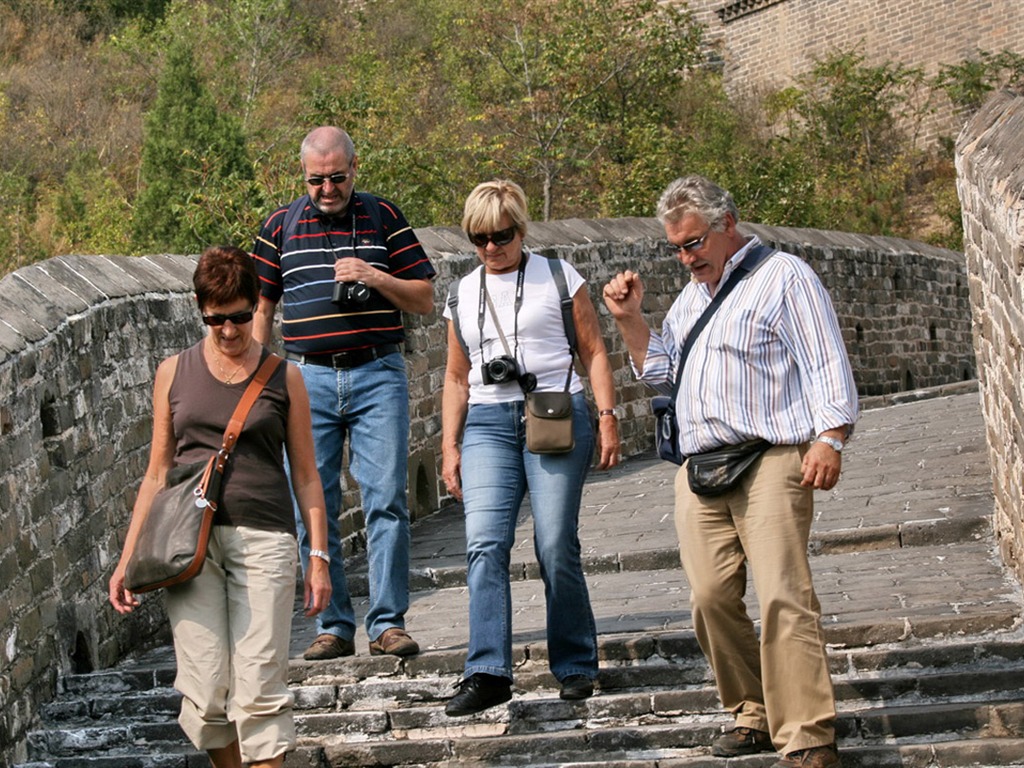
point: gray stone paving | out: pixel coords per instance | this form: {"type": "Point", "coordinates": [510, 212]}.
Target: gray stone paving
{"type": "Point", "coordinates": [902, 547]}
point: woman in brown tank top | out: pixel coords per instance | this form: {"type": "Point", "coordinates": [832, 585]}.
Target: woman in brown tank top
{"type": "Point", "coordinates": [236, 704]}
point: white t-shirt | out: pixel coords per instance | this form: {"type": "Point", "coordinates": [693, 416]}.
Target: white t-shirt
{"type": "Point", "coordinates": [539, 346]}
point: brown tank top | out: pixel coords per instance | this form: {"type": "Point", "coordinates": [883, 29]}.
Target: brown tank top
{"type": "Point", "coordinates": [255, 491]}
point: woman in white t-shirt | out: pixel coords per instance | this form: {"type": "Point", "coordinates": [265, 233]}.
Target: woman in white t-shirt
{"type": "Point", "coordinates": [483, 410]}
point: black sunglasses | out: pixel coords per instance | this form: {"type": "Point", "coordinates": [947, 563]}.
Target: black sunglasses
{"type": "Point", "coordinates": [239, 318]}
{"type": "Point", "coordinates": [501, 237]}
{"type": "Point", "coordinates": [337, 179]}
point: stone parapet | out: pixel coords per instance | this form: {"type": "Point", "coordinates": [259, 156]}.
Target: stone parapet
{"type": "Point", "coordinates": [990, 180]}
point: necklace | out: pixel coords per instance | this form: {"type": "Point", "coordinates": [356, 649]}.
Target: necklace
{"type": "Point", "coordinates": [220, 365]}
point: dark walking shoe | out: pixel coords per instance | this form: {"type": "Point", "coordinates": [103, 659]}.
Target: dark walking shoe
{"type": "Point", "coordinates": [815, 757]}
{"type": "Point", "coordinates": [329, 646]}
{"type": "Point", "coordinates": [742, 741]}
{"type": "Point", "coordinates": [477, 693]}
{"type": "Point", "coordinates": [576, 687]}
{"type": "Point", "coordinates": [394, 641]}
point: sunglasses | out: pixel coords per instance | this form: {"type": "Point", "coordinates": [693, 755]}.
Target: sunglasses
{"type": "Point", "coordinates": [693, 245]}
{"type": "Point", "coordinates": [501, 237]}
{"type": "Point", "coordinates": [239, 318]}
{"type": "Point", "coordinates": [337, 179]}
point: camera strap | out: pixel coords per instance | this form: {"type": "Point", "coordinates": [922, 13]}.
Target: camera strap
{"type": "Point", "coordinates": [330, 242]}
{"type": "Point", "coordinates": [486, 303]}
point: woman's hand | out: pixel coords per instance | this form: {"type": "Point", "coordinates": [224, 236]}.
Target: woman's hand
{"type": "Point", "coordinates": [609, 446]}
{"type": "Point", "coordinates": [122, 600]}
{"type": "Point", "coordinates": [317, 587]}
{"type": "Point", "coordinates": [451, 471]}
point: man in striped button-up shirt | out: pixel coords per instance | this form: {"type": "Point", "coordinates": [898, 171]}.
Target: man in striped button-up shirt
{"type": "Point", "coordinates": [770, 364]}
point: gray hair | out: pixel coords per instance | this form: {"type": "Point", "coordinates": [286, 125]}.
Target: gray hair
{"type": "Point", "coordinates": [325, 140]}
{"type": "Point", "coordinates": [696, 194]}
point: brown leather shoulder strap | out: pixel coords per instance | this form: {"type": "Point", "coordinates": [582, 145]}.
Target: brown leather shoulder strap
{"type": "Point", "coordinates": [259, 381]}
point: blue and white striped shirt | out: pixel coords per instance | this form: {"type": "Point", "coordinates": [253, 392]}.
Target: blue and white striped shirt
{"type": "Point", "coordinates": [770, 364]}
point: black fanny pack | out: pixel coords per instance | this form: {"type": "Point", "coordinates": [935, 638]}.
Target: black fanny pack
{"type": "Point", "coordinates": [717, 472]}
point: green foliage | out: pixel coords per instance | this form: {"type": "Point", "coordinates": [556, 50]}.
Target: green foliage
{"type": "Point", "coordinates": [560, 88]}
{"type": "Point", "coordinates": [91, 211]}
{"type": "Point", "coordinates": [19, 242]}
{"type": "Point", "coordinates": [968, 82]}
{"type": "Point", "coordinates": [198, 182]}
{"type": "Point", "coordinates": [133, 125]}
{"type": "Point", "coordinates": [848, 130]}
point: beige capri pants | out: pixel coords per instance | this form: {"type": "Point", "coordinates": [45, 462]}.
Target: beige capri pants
{"type": "Point", "coordinates": [232, 628]}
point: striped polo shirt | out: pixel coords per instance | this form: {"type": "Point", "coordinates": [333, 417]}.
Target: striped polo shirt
{"type": "Point", "coordinates": [300, 274]}
{"type": "Point", "coordinates": [770, 364]}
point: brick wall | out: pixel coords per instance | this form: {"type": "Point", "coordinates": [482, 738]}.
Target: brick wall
{"type": "Point", "coordinates": [765, 43]}
{"type": "Point", "coordinates": [81, 337]}
{"type": "Point", "coordinates": [990, 179]}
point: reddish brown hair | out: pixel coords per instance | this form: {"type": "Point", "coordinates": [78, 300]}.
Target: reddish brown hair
{"type": "Point", "coordinates": [224, 275]}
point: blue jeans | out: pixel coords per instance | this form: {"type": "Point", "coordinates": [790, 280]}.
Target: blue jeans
{"type": "Point", "coordinates": [370, 405]}
{"type": "Point", "coordinates": [496, 472]}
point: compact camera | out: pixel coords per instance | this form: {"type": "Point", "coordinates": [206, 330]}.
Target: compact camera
{"type": "Point", "coordinates": [350, 293]}
{"type": "Point", "coordinates": [502, 369]}
{"type": "Point", "coordinates": [499, 370]}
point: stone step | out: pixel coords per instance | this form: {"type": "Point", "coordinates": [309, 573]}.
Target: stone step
{"type": "Point", "coordinates": [662, 664]}
{"type": "Point", "coordinates": [910, 703]}
{"type": "Point", "coordinates": [303, 757]}
{"type": "Point", "coordinates": [998, 752]}
{"type": "Point", "coordinates": [661, 746]}
{"type": "Point", "coordinates": [451, 571]}
{"type": "Point", "coordinates": [867, 598]}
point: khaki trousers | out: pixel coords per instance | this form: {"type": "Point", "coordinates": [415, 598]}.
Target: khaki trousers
{"type": "Point", "coordinates": [232, 627]}
{"type": "Point", "coordinates": [781, 684]}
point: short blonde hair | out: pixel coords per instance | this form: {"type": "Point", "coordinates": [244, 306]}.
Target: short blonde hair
{"type": "Point", "coordinates": [491, 200]}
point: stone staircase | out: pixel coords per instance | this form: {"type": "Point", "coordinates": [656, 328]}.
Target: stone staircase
{"type": "Point", "coordinates": [923, 625]}
{"type": "Point", "coordinates": [940, 701]}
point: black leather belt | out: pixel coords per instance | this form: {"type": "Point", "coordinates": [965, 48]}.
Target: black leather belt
{"type": "Point", "coordinates": [349, 359]}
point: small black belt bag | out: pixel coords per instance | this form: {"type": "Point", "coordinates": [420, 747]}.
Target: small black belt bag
{"type": "Point", "coordinates": [666, 427]}
{"type": "Point", "coordinates": [717, 472]}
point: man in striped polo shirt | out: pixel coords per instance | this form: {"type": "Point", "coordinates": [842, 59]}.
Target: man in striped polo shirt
{"type": "Point", "coordinates": [345, 265]}
{"type": "Point", "coordinates": [769, 365]}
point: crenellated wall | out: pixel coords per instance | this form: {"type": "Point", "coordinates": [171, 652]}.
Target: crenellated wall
{"type": "Point", "coordinates": [765, 44]}
{"type": "Point", "coordinates": [80, 339]}
{"type": "Point", "coordinates": [990, 179]}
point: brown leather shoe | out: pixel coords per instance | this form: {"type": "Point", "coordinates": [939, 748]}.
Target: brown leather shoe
{"type": "Point", "coordinates": [742, 741]}
{"type": "Point", "coordinates": [815, 757]}
{"type": "Point", "coordinates": [394, 641]}
{"type": "Point", "coordinates": [329, 646]}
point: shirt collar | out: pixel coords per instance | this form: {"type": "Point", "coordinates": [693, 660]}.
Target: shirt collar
{"type": "Point", "coordinates": [734, 261]}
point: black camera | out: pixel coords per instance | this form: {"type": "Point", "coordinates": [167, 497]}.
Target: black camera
{"type": "Point", "coordinates": [499, 370]}
{"type": "Point", "coordinates": [502, 369]}
{"type": "Point", "coordinates": [350, 293]}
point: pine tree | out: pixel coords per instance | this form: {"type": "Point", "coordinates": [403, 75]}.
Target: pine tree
{"type": "Point", "coordinates": [195, 173]}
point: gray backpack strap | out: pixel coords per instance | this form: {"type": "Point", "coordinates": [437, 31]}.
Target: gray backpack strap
{"type": "Point", "coordinates": [453, 307]}
{"type": "Point", "coordinates": [566, 302]}
{"type": "Point", "coordinates": [291, 219]}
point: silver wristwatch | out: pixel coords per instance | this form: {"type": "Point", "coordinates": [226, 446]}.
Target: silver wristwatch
{"type": "Point", "coordinates": [835, 444]}
{"type": "Point", "coordinates": [321, 554]}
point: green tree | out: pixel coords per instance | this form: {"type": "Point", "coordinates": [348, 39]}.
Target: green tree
{"type": "Point", "coordinates": [856, 128]}
{"type": "Point", "coordinates": [558, 88]}
{"type": "Point", "coordinates": [198, 184]}
{"type": "Point", "coordinates": [967, 83]}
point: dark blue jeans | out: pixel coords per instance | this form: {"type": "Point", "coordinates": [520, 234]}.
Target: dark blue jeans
{"type": "Point", "coordinates": [369, 405]}
{"type": "Point", "coordinates": [497, 470]}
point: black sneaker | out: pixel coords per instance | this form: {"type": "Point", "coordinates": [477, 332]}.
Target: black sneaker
{"type": "Point", "coordinates": [477, 693]}
{"type": "Point", "coordinates": [576, 687]}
